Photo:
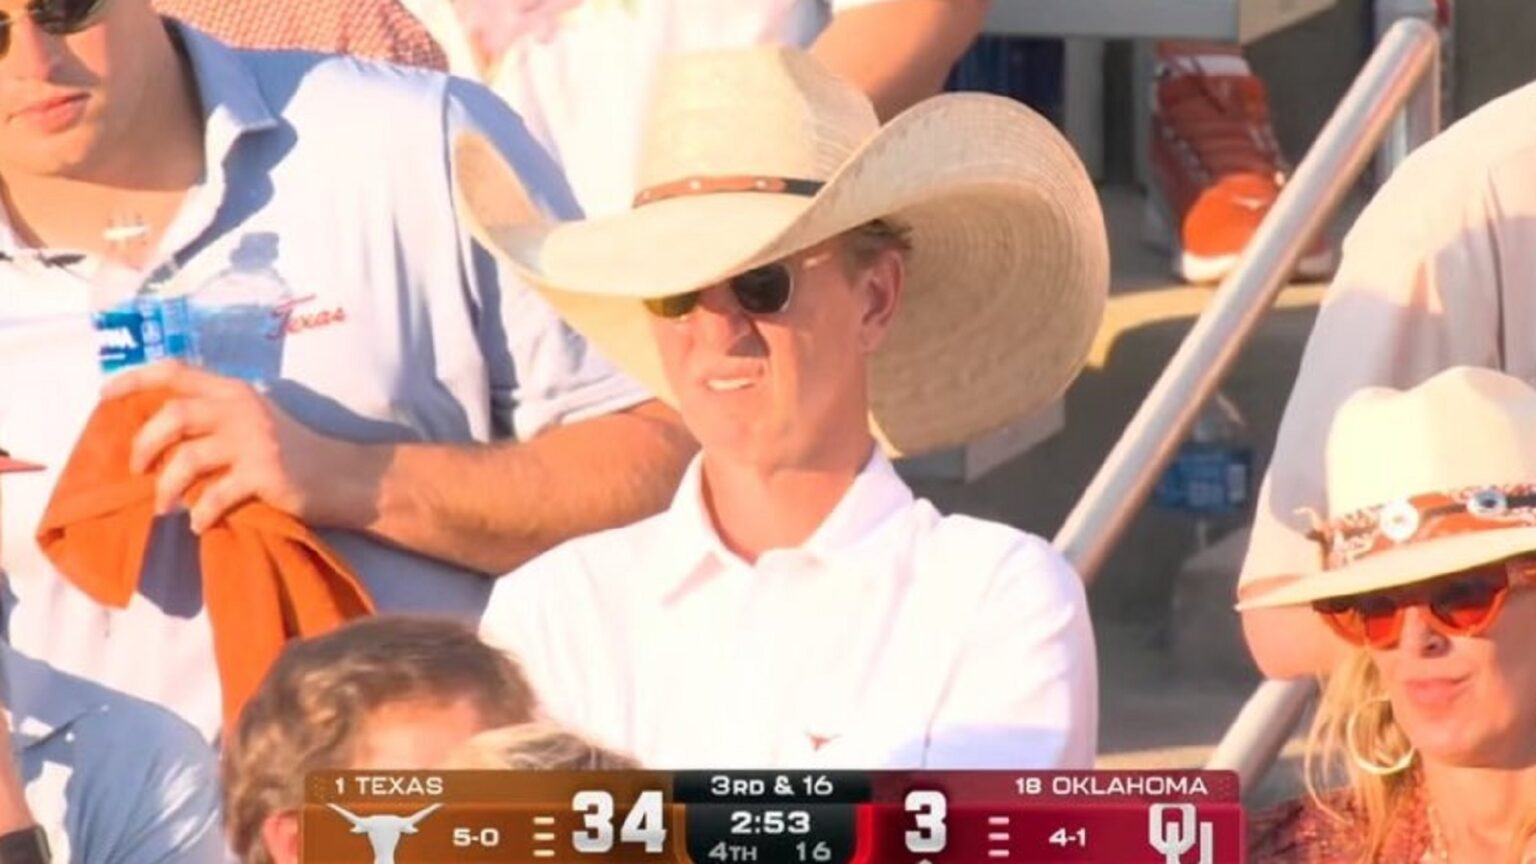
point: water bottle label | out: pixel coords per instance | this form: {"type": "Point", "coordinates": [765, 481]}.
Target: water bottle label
{"type": "Point", "coordinates": [1206, 479]}
{"type": "Point", "coordinates": [142, 331]}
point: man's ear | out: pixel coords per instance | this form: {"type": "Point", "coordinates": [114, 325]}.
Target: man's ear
{"type": "Point", "coordinates": [884, 280]}
{"type": "Point", "coordinates": [280, 834]}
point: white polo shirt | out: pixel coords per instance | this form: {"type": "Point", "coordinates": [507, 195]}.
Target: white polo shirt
{"type": "Point", "coordinates": [895, 637]}
{"type": "Point", "coordinates": [112, 780]}
{"type": "Point", "coordinates": [400, 329]}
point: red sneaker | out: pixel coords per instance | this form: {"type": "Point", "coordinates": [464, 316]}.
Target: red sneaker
{"type": "Point", "coordinates": [1216, 166]}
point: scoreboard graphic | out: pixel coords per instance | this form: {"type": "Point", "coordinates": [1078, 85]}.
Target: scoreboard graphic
{"type": "Point", "coordinates": [773, 817]}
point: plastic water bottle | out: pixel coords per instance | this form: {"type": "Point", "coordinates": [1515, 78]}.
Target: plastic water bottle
{"type": "Point", "coordinates": [238, 314]}
{"type": "Point", "coordinates": [138, 318]}
{"type": "Point", "coordinates": [1211, 476]}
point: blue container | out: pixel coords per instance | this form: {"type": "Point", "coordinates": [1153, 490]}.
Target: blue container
{"type": "Point", "coordinates": [1207, 478]}
{"type": "Point", "coordinates": [143, 329]}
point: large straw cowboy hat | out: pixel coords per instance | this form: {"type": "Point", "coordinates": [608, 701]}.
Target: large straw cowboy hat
{"type": "Point", "coordinates": [752, 155]}
{"type": "Point", "coordinates": [1422, 483]}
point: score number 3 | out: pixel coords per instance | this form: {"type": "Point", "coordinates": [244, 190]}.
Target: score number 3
{"type": "Point", "coordinates": [643, 825]}
{"type": "Point", "coordinates": [928, 809]}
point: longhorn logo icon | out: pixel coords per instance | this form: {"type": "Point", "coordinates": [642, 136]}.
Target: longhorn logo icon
{"type": "Point", "coordinates": [384, 831]}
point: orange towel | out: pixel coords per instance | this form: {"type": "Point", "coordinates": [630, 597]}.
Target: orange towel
{"type": "Point", "coordinates": [266, 577]}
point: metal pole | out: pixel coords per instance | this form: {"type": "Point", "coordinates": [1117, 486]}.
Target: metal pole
{"type": "Point", "coordinates": [1343, 147]}
{"type": "Point", "coordinates": [1254, 740]}
{"type": "Point", "coordinates": [1420, 118]}
{"type": "Point", "coordinates": [1418, 122]}
{"type": "Point", "coordinates": [1256, 737]}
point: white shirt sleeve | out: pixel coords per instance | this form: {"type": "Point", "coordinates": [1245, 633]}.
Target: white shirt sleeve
{"type": "Point", "coordinates": [542, 373]}
{"type": "Point", "coordinates": [517, 622]}
{"type": "Point", "coordinates": [1024, 694]}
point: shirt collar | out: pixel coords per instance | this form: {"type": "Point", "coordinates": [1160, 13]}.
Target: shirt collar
{"type": "Point", "coordinates": [232, 101]}
{"type": "Point", "coordinates": [691, 541]}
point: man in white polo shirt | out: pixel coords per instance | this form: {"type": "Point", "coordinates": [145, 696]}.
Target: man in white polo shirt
{"type": "Point", "coordinates": [435, 421]}
{"type": "Point", "coordinates": [815, 292]}
{"type": "Point", "coordinates": [92, 776]}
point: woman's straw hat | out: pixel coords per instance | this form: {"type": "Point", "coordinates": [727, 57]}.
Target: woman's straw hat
{"type": "Point", "coordinates": [1422, 483]}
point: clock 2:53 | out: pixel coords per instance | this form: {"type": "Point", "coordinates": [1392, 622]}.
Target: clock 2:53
{"type": "Point", "coordinates": [770, 822]}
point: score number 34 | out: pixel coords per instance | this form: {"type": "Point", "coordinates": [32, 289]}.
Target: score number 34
{"type": "Point", "coordinates": [645, 824]}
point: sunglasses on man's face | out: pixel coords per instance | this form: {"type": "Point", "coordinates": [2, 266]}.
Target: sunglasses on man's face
{"type": "Point", "coordinates": [1463, 604]}
{"type": "Point", "coordinates": [54, 17]}
{"type": "Point", "coordinates": [760, 291]}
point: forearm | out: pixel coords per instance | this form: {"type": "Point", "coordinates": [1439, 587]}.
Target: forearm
{"type": "Point", "coordinates": [900, 51]}
{"type": "Point", "coordinates": [492, 507]}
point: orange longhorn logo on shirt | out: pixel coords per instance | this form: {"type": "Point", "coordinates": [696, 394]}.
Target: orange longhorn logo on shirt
{"type": "Point", "coordinates": [820, 741]}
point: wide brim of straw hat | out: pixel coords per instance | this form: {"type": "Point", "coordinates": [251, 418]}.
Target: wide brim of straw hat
{"type": "Point", "coordinates": [1398, 567]}
{"type": "Point", "coordinates": [1393, 451]}
{"type": "Point", "coordinates": [1006, 282]}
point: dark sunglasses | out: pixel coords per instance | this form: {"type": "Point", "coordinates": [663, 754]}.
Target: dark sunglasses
{"type": "Point", "coordinates": [54, 17]}
{"type": "Point", "coordinates": [763, 290]}
{"type": "Point", "coordinates": [1462, 604]}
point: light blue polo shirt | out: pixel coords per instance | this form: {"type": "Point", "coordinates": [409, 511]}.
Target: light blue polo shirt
{"type": "Point", "coordinates": [399, 329]}
{"type": "Point", "coordinates": [111, 779]}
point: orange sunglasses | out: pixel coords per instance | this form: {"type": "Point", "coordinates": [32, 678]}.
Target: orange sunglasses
{"type": "Point", "coordinates": [1460, 604]}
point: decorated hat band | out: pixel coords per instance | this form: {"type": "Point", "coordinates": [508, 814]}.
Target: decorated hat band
{"type": "Point", "coordinates": [1420, 518]}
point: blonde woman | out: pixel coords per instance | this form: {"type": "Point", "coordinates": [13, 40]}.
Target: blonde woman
{"type": "Point", "coordinates": [1429, 552]}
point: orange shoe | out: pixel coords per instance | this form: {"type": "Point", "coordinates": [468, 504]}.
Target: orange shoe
{"type": "Point", "coordinates": [1216, 166]}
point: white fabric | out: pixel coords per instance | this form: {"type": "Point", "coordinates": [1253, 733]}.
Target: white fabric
{"type": "Point", "coordinates": [581, 73]}
{"type": "Point", "coordinates": [894, 637]}
{"type": "Point", "coordinates": [1439, 271]}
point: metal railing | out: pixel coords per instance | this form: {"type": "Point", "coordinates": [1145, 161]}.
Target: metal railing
{"type": "Point", "coordinates": [1397, 91]}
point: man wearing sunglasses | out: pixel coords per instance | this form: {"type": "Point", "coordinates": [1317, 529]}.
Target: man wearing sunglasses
{"type": "Point", "coordinates": [1426, 560]}
{"type": "Point", "coordinates": [89, 775]}
{"type": "Point", "coordinates": [816, 293]}
{"type": "Point", "coordinates": [430, 415]}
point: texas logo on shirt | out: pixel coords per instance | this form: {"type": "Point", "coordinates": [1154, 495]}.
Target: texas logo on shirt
{"type": "Point", "coordinates": [292, 317]}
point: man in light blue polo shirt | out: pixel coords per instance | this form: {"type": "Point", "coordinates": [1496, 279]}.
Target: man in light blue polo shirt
{"type": "Point", "coordinates": [106, 778]}
{"type": "Point", "coordinates": [436, 420]}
